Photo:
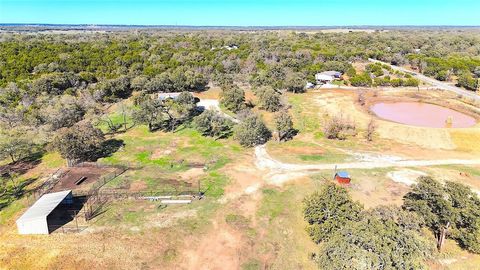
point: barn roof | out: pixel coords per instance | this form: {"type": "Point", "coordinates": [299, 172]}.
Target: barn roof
{"type": "Point", "coordinates": [343, 174]}
{"type": "Point", "coordinates": [44, 206]}
{"type": "Point", "coordinates": [324, 77]}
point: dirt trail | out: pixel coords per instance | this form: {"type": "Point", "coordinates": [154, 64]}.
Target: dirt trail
{"type": "Point", "coordinates": [436, 83]}
{"type": "Point", "coordinates": [281, 172]}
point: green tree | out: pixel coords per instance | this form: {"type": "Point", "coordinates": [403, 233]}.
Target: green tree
{"type": "Point", "coordinates": [78, 143]}
{"type": "Point", "coordinates": [113, 89]}
{"type": "Point", "coordinates": [466, 80]}
{"type": "Point", "coordinates": [453, 204]}
{"type": "Point", "coordinates": [15, 147]}
{"type": "Point", "coordinates": [149, 112]}
{"type": "Point", "coordinates": [180, 109]}
{"type": "Point", "coordinates": [284, 125]}
{"type": "Point", "coordinates": [328, 210]}
{"type": "Point", "coordinates": [167, 113]}
{"type": "Point", "coordinates": [232, 97]}
{"type": "Point", "coordinates": [213, 124]}
{"type": "Point", "coordinates": [252, 131]}
{"type": "Point", "coordinates": [295, 82]}
{"type": "Point", "coordinates": [268, 99]}
{"type": "Point", "coordinates": [379, 240]}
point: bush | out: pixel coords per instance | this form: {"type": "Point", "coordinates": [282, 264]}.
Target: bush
{"type": "Point", "coordinates": [339, 128]}
{"type": "Point", "coordinates": [362, 80]}
{"type": "Point", "coordinates": [466, 81]}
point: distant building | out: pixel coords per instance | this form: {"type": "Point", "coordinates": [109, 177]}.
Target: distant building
{"type": "Point", "coordinates": [343, 177]}
{"type": "Point", "coordinates": [165, 96]}
{"type": "Point", "coordinates": [327, 76]}
{"type": "Point", "coordinates": [323, 79]}
{"type": "Point", "coordinates": [333, 73]}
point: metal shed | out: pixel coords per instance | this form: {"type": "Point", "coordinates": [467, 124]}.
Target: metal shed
{"type": "Point", "coordinates": [343, 177]}
{"type": "Point", "coordinates": [35, 219]}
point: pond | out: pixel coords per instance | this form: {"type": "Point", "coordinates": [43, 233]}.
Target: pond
{"type": "Point", "coordinates": [422, 115]}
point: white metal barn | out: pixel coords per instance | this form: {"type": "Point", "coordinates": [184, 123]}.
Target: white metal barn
{"type": "Point", "coordinates": [35, 219]}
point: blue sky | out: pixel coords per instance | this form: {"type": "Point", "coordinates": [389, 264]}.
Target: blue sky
{"type": "Point", "coordinates": [243, 13]}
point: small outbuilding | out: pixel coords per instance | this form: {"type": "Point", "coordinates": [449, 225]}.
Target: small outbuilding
{"type": "Point", "coordinates": [343, 177]}
{"type": "Point", "coordinates": [36, 219]}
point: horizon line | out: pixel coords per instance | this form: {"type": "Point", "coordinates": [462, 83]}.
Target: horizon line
{"type": "Point", "coordinates": [240, 26]}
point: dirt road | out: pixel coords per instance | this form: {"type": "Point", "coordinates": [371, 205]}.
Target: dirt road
{"type": "Point", "coordinates": [214, 104]}
{"type": "Point", "coordinates": [436, 83]}
{"type": "Point", "coordinates": [280, 172]}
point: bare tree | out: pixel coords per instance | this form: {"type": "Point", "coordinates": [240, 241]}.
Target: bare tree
{"type": "Point", "coordinates": [372, 126]}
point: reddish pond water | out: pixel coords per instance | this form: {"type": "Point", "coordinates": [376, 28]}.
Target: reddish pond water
{"type": "Point", "coordinates": [422, 115]}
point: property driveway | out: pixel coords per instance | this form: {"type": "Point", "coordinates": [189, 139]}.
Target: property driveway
{"type": "Point", "coordinates": [214, 104]}
{"type": "Point", "coordinates": [436, 83]}
{"type": "Point", "coordinates": [279, 172]}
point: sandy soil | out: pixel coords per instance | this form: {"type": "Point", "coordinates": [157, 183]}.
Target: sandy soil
{"type": "Point", "coordinates": [406, 176]}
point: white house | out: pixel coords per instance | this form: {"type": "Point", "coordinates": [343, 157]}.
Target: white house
{"type": "Point", "coordinates": [335, 74]}
{"type": "Point", "coordinates": [35, 219]}
{"type": "Point", "coordinates": [323, 79]}
{"type": "Point", "coordinates": [327, 76]}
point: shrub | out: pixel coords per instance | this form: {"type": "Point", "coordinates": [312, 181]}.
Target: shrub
{"type": "Point", "coordinates": [339, 128]}
{"type": "Point", "coordinates": [361, 80]}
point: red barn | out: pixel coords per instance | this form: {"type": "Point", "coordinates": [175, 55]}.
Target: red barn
{"type": "Point", "coordinates": [343, 177]}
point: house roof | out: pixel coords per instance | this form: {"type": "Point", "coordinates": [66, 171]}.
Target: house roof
{"type": "Point", "coordinates": [343, 174]}
{"type": "Point", "coordinates": [44, 206]}
{"type": "Point", "coordinates": [323, 77]}
{"type": "Point", "coordinates": [163, 96]}
{"type": "Point", "coordinates": [332, 73]}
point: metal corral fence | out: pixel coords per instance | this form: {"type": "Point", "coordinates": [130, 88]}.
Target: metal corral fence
{"type": "Point", "coordinates": [46, 187]}
{"type": "Point", "coordinates": [66, 229]}
{"type": "Point", "coordinates": [141, 195]}
{"type": "Point", "coordinates": [119, 170]}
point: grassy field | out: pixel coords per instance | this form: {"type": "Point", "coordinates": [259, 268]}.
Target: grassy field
{"type": "Point", "coordinates": [232, 227]}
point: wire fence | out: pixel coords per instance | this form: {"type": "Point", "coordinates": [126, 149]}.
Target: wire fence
{"type": "Point", "coordinates": [46, 187]}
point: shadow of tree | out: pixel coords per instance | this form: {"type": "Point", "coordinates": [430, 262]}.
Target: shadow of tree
{"type": "Point", "coordinates": [13, 193]}
{"type": "Point", "coordinates": [108, 148]}
{"type": "Point", "coordinates": [22, 166]}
